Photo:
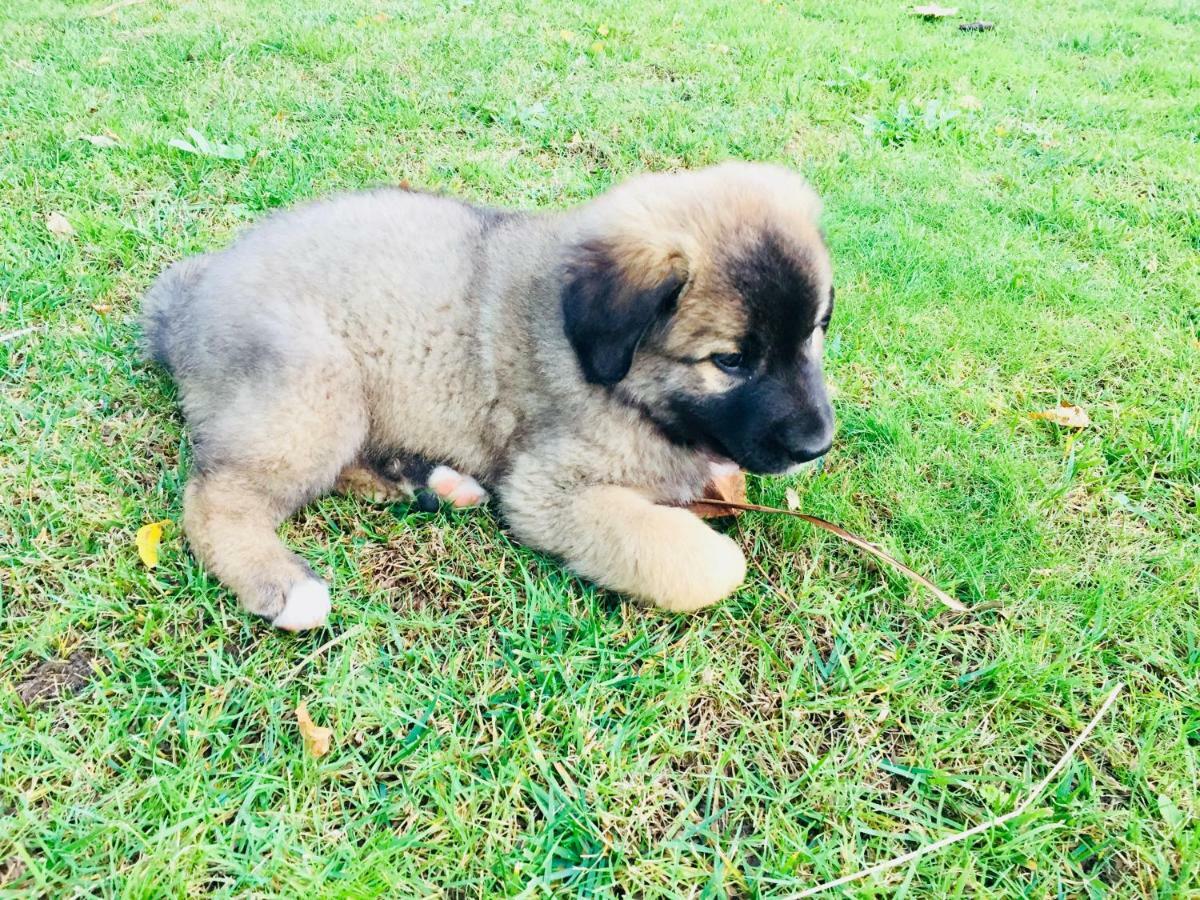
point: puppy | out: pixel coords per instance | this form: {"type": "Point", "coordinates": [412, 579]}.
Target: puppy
{"type": "Point", "coordinates": [593, 368]}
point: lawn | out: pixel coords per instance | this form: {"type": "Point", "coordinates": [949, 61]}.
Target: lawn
{"type": "Point", "coordinates": [1014, 217]}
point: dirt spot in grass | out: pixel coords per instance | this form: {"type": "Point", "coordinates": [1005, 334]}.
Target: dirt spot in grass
{"type": "Point", "coordinates": [55, 678]}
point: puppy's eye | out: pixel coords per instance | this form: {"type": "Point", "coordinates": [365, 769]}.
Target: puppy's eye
{"type": "Point", "coordinates": [733, 363]}
{"type": "Point", "coordinates": [829, 312]}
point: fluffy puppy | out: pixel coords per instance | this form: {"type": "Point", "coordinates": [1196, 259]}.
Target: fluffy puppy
{"type": "Point", "coordinates": [592, 368]}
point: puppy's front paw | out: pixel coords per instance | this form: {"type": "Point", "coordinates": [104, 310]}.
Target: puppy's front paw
{"type": "Point", "coordinates": [704, 573]}
{"type": "Point", "coordinates": [306, 606]}
{"type": "Point", "coordinates": [460, 490]}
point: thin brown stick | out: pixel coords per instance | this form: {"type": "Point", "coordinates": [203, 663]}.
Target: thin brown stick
{"type": "Point", "coordinates": [850, 538]}
{"type": "Point", "coordinates": [1024, 805]}
{"type": "Point", "coordinates": [113, 7]}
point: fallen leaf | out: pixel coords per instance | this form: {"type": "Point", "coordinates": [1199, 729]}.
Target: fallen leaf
{"type": "Point", "coordinates": [99, 140]}
{"type": "Point", "coordinates": [202, 146]}
{"type": "Point", "coordinates": [58, 225]}
{"type": "Point", "coordinates": [969, 101]}
{"type": "Point", "coordinates": [597, 48]}
{"type": "Point", "coordinates": [102, 308]}
{"type": "Point", "coordinates": [933, 11]}
{"type": "Point", "coordinates": [602, 30]}
{"type": "Point", "coordinates": [147, 540]}
{"type": "Point", "coordinates": [793, 499]}
{"type": "Point", "coordinates": [566, 35]}
{"type": "Point", "coordinates": [1064, 414]}
{"type": "Point", "coordinates": [730, 488]}
{"type": "Point", "coordinates": [1172, 814]}
{"type": "Point", "coordinates": [316, 738]}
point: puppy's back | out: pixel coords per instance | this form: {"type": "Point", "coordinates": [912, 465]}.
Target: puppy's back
{"type": "Point", "coordinates": [352, 256]}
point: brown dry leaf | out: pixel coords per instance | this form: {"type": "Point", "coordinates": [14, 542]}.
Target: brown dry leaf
{"type": "Point", "coordinates": [316, 738]}
{"type": "Point", "coordinates": [730, 488]}
{"type": "Point", "coordinates": [1064, 414]}
{"type": "Point", "coordinates": [933, 11]}
{"type": "Point", "coordinates": [148, 539]}
{"type": "Point", "coordinates": [58, 225]}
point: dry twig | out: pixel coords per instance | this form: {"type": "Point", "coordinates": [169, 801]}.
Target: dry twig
{"type": "Point", "coordinates": [854, 539]}
{"type": "Point", "coordinates": [1024, 805]}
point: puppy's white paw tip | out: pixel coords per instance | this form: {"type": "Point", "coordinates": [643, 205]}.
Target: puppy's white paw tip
{"type": "Point", "coordinates": [460, 490]}
{"type": "Point", "coordinates": [469, 493]}
{"type": "Point", "coordinates": [307, 606]}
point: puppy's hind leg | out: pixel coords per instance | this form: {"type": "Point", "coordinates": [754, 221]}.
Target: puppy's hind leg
{"type": "Point", "coordinates": [230, 518]}
{"type": "Point", "coordinates": [259, 459]}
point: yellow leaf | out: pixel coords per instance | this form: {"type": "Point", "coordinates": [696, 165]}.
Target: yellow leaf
{"type": "Point", "coordinates": [602, 31]}
{"type": "Point", "coordinates": [1066, 415]}
{"type": "Point", "coordinates": [566, 35]}
{"type": "Point", "coordinates": [58, 225]}
{"type": "Point", "coordinates": [597, 48]}
{"type": "Point", "coordinates": [316, 738]}
{"type": "Point", "coordinates": [148, 538]}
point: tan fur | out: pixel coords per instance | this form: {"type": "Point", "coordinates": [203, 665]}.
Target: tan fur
{"type": "Point", "coordinates": [401, 322]}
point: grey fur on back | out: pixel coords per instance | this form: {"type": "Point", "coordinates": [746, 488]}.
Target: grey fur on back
{"type": "Point", "coordinates": [165, 312]}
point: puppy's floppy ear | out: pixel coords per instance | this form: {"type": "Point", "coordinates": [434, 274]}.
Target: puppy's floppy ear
{"type": "Point", "coordinates": [606, 311]}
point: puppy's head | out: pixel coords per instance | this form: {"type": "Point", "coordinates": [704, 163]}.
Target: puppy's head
{"type": "Point", "coordinates": [702, 299]}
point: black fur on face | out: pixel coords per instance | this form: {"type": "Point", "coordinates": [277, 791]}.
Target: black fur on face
{"type": "Point", "coordinates": [774, 413]}
{"type": "Point", "coordinates": [768, 414]}
{"type": "Point", "coordinates": [777, 413]}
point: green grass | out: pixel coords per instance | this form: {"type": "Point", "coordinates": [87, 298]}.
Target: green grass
{"type": "Point", "coordinates": [499, 726]}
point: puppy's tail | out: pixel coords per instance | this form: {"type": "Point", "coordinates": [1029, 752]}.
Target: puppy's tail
{"type": "Point", "coordinates": [166, 314]}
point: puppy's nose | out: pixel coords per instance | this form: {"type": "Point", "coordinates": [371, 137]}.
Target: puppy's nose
{"type": "Point", "coordinates": [806, 440]}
